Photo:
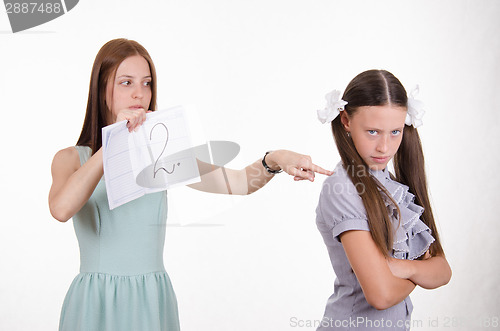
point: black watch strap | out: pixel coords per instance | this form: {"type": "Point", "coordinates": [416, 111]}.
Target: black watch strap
{"type": "Point", "coordinates": [271, 171]}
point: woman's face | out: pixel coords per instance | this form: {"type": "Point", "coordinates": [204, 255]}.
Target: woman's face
{"type": "Point", "coordinates": [376, 132]}
{"type": "Point", "coordinates": [130, 88]}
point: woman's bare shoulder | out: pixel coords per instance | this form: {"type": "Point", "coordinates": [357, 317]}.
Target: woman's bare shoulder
{"type": "Point", "coordinates": [67, 158]}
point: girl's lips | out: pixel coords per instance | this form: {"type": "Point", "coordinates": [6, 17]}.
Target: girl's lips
{"type": "Point", "coordinates": [380, 159]}
{"type": "Point", "coordinates": [136, 107]}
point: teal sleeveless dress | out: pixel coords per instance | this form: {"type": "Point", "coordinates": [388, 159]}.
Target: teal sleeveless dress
{"type": "Point", "coordinates": [122, 283]}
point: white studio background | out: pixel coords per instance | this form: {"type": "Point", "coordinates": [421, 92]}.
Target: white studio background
{"type": "Point", "coordinates": [257, 70]}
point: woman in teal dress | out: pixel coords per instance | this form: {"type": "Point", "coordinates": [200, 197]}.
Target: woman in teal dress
{"type": "Point", "coordinates": [122, 284]}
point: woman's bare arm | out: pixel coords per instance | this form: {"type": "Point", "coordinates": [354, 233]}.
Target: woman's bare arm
{"type": "Point", "coordinates": [72, 185]}
{"type": "Point", "coordinates": [222, 180]}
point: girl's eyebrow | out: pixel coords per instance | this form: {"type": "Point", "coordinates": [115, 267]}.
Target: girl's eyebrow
{"type": "Point", "coordinates": [372, 128]}
{"type": "Point", "coordinates": [375, 129]}
{"type": "Point", "coordinates": [129, 76]}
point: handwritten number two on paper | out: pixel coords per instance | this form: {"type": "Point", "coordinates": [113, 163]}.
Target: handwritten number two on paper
{"type": "Point", "coordinates": [155, 171]}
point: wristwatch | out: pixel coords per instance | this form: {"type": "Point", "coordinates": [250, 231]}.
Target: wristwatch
{"type": "Point", "coordinates": [271, 171]}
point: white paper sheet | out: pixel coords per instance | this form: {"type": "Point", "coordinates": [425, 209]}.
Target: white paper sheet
{"type": "Point", "coordinates": [156, 157]}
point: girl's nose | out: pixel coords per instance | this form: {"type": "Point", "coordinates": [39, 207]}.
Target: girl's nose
{"type": "Point", "coordinates": [382, 145]}
{"type": "Point", "coordinates": [137, 92]}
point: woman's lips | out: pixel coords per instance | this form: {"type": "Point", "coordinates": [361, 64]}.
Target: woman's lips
{"type": "Point", "coordinates": [136, 107]}
{"type": "Point", "coordinates": [380, 159]}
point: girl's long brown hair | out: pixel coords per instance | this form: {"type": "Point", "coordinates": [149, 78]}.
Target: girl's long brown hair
{"type": "Point", "coordinates": [107, 60]}
{"type": "Point", "coordinates": [379, 88]}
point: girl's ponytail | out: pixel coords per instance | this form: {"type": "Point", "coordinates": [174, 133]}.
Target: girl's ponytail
{"type": "Point", "coordinates": [409, 167]}
{"type": "Point", "coordinates": [368, 189]}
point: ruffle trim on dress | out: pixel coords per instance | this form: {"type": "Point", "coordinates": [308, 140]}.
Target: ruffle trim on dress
{"type": "Point", "coordinates": [412, 237]}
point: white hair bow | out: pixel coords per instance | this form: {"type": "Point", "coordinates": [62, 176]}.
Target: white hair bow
{"type": "Point", "coordinates": [415, 109]}
{"type": "Point", "coordinates": [334, 105]}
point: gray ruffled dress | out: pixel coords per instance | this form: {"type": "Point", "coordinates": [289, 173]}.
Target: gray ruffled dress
{"type": "Point", "coordinates": [341, 209]}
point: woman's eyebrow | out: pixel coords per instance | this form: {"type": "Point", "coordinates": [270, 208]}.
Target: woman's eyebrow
{"type": "Point", "coordinates": [129, 76]}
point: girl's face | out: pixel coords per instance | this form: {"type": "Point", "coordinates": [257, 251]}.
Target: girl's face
{"type": "Point", "coordinates": [130, 88]}
{"type": "Point", "coordinates": [376, 132]}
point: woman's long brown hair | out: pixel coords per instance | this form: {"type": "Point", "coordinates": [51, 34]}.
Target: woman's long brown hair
{"type": "Point", "coordinates": [106, 62]}
{"type": "Point", "coordinates": [379, 88]}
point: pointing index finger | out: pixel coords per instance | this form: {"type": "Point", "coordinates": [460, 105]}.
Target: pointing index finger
{"type": "Point", "coordinates": [318, 169]}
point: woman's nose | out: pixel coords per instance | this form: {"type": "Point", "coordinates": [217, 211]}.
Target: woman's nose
{"type": "Point", "coordinates": [137, 92]}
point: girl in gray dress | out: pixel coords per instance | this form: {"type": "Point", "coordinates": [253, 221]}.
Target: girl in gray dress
{"type": "Point", "coordinates": [378, 228]}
